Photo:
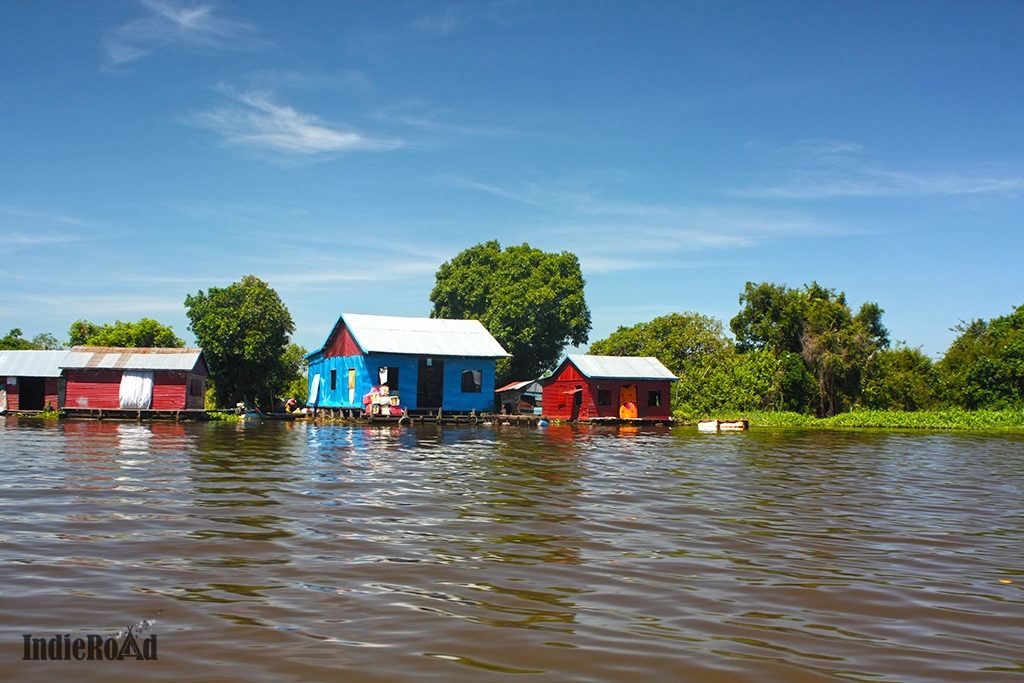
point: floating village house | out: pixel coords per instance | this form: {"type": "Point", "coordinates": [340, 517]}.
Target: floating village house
{"type": "Point", "coordinates": [521, 398]}
{"type": "Point", "coordinates": [420, 364]}
{"type": "Point", "coordinates": [31, 380]}
{"type": "Point", "coordinates": [608, 387]}
{"type": "Point", "coordinates": [138, 379]}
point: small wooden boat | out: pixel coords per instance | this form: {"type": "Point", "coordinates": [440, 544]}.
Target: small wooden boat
{"type": "Point", "coordinates": [723, 425]}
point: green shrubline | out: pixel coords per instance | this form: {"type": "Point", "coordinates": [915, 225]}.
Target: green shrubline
{"type": "Point", "coordinates": [145, 333]}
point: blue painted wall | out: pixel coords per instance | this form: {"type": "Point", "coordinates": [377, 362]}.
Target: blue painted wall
{"type": "Point", "coordinates": [408, 366]}
{"type": "Point", "coordinates": [454, 398]}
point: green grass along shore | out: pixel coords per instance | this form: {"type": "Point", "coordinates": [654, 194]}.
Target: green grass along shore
{"type": "Point", "coordinates": [948, 419]}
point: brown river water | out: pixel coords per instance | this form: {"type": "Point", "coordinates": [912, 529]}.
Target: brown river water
{"type": "Point", "coordinates": [297, 552]}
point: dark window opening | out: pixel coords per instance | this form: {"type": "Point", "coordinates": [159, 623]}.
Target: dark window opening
{"type": "Point", "coordinates": [604, 397]}
{"type": "Point", "coordinates": [388, 376]}
{"type": "Point", "coordinates": [472, 381]}
{"type": "Point", "coordinates": [654, 398]}
{"type": "Point", "coordinates": [334, 379]}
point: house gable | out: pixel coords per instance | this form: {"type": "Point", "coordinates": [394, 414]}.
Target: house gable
{"type": "Point", "coordinates": [342, 343]}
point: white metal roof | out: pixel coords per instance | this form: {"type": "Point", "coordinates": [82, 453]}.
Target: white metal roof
{"type": "Point", "coordinates": [103, 357]}
{"type": "Point", "coordinates": [633, 367]}
{"type": "Point", "coordinates": [31, 363]}
{"type": "Point", "coordinates": [422, 336]}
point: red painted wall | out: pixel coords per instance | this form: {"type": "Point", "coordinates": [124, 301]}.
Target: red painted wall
{"type": "Point", "coordinates": [558, 396]}
{"type": "Point", "coordinates": [92, 389]}
{"type": "Point", "coordinates": [169, 391]}
{"type": "Point", "coordinates": [50, 389]}
{"type": "Point", "coordinates": [101, 389]}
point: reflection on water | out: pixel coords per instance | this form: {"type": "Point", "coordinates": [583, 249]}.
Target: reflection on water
{"type": "Point", "coordinates": [306, 552]}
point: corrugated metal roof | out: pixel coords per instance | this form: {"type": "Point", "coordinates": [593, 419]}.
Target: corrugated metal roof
{"type": "Point", "coordinates": [105, 357]}
{"type": "Point", "coordinates": [633, 367]}
{"type": "Point", "coordinates": [31, 363]}
{"type": "Point", "coordinates": [530, 386]}
{"type": "Point", "coordinates": [422, 336]}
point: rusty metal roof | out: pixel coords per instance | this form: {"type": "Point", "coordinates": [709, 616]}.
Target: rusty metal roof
{"type": "Point", "coordinates": [104, 357]}
{"type": "Point", "coordinates": [422, 336]}
{"type": "Point", "coordinates": [528, 386]}
{"type": "Point", "coordinates": [31, 363]}
{"type": "Point", "coordinates": [630, 367]}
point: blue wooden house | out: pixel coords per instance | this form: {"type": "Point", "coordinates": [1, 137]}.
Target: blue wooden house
{"type": "Point", "coordinates": [420, 364]}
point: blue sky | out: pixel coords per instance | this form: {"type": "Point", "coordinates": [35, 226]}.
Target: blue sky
{"type": "Point", "coordinates": [342, 151]}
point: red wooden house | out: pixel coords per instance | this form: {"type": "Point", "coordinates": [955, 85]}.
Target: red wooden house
{"type": "Point", "coordinates": [30, 380]}
{"type": "Point", "coordinates": [586, 387]}
{"type": "Point", "coordinates": [156, 379]}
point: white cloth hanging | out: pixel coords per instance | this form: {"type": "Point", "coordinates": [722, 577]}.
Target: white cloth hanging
{"type": "Point", "coordinates": [136, 392]}
{"type": "Point", "coordinates": [314, 389]}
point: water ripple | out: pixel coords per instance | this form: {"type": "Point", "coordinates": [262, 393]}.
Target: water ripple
{"type": "Point", "coordinates": [312, 552]}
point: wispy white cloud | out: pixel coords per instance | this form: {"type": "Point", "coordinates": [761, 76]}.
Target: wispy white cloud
{"type": "Point", "coordinates": [420, 116]}
{"type": "Point", "coordinates": [456, 18]}
{"type": "Point", "coordinates": [828, 169]}
{"type": "Point", "coordinates": [444, 21]}
{"type": "Point", "coordinates": [875, 182]}
{"type": "Point", "coordinates": [21, 240]}
{"type": "Point", "coordinates": [526, 195]}
{"type": "Point", "coordinates": [95, 306]}
{"type": "Point", "coordinates": [253, 120]}
{"type": "Point", "coordinates": [611, 235]}
{"type": "Point", "coordinates": [26, 228]}
{"type": "Point", "coordinates": [170, 24]}
{"type": "Point", "coordinates": [35, 216]}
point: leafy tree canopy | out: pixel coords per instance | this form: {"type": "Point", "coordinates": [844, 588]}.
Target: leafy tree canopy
{"type": "Point", "coordinates": [15, 342]}
{"type": "Point", "coordinates": [816, 324]}
{"type": "Point", "coordinates": [531, 301]}
{"type": "Point", "coordinates": [984, 366]}
{"type": "Point", "coordinates": [142, 334]}
{"type": "Point", "coordinates": [673, 339]}
{"type": "Point", "coordinates": [298, 370]}
{"type": "Point", "coordinates": [901, 378]}
{"type": "Point", "coordinates": [244, 330]}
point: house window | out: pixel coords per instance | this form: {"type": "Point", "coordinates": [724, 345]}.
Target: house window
{"type": "Point", "coordinates": [472, 381]}
{"type": "Point", "coordinates": [604, 397]}
{"type": "Point", "coordinates": [195, 387]}
{"type": "Point", "coordinates": [334, 379]}
{"type": "Point", "coordinates": [654, 398]}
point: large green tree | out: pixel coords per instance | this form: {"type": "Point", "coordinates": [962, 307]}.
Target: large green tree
{"type": "Point", "coordinates": [530, 300]}
{"type": "Point", "coordinates": [900, 378]}
{"type": "Point", "coordinates": [984, 366]}
{"type": "Point", "coordinates": [298, 372]}
{"type": "Point", "coordinates": [142, 334]}
{"type": "Point", "coordinates": [244, 330]}
{"type": "Point", "coordinates": [816, 325]}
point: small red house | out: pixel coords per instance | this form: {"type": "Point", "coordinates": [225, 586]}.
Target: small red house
{"type": "Point", "coordinates": [586, 387]}
{"type": "Point", "coordinates": [109, 378]}
{"type": "Point", "coordinates": [30, 380]}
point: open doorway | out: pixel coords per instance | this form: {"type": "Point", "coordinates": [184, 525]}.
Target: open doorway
{"type": "Point", "coordinates": [31, 393]}
{"type": "Point", "coordinates": [430, 384]}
